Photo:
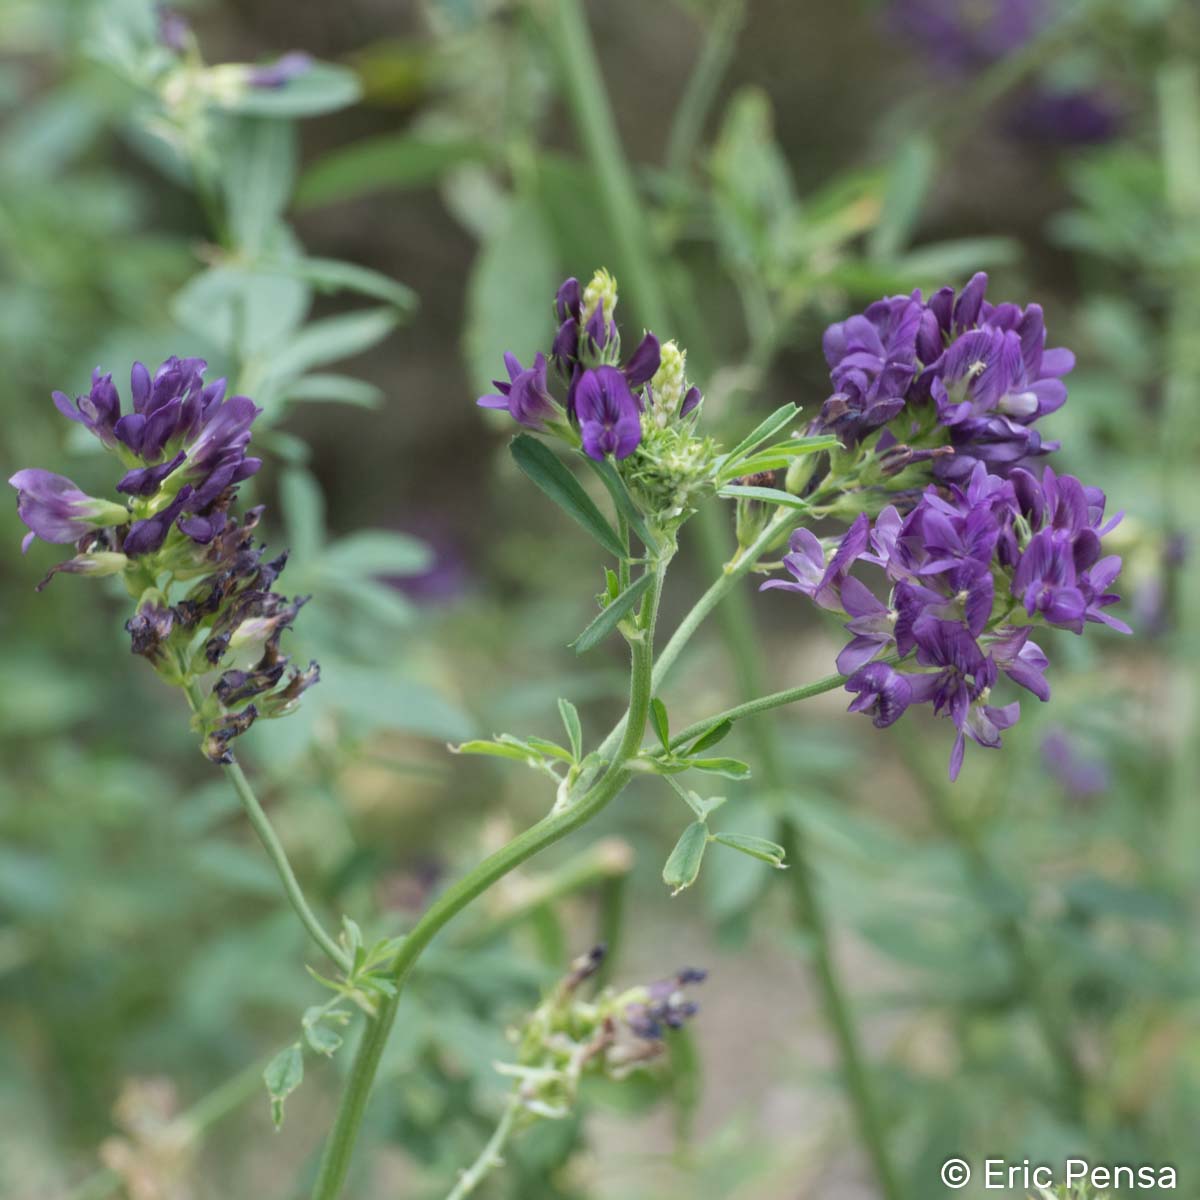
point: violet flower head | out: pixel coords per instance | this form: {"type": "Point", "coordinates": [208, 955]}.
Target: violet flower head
{"type": "Point", "coordinates": [182, 447]}
{"type": "Point", "coordinates": [959, 567]}
{"type": "Point", "coordinates": [603, 400]}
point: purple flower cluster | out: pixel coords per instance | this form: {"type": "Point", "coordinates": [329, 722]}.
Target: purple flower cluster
{"type": "Point", "coordinates": [183, 448]}
{"type": "Point", "coordinates": [954, 372]}
{"type": "Point", "coordinates": [603, 401]}
{"type": "Point", "coordinates": [183, 444]}
{"type": "Point", "coordinates": [972, 570]}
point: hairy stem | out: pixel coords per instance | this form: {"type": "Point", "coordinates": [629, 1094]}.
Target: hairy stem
{"type": "Point", "coordinates": [731, 572]}
{"type": "Point", "coordinates": [766, 703]}
{"type": "Point", "coordinates": [340, 1147]}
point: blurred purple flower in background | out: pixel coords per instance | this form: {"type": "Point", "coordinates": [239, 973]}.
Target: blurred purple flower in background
{"type": "Point", "coordinates": [1081, 774]}
{"type": "Point", "coordinates": [965, 38]}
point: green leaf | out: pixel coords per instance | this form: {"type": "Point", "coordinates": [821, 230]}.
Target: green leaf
{"type": "Point", "coordinates": [322, 1039]}
{"type": "Point", "coordinates": [779, 455]}
{"type": "Point", "coordinates": [909, 176]}
{"type": "Point", "coordinates": [546, 470]}
{"type": "Point", "coordinates": [243, 310]}
{"type": "Point", "coordinates": [610, 617]}
{"type": "Point", "coordinates": [683, 865]}
{"type": "Point", "coordinates": [376, 552]}
{"type": "Point", "coordinates": [331, 339]}
{"type": "Point", "coordinates": [389, 161]}
{"type": "Point", "coordinates": [339, 389]}
{"type": "Point", "coordinates": [552, 749]}
{"type": "Point", "coordinates": [767, 495]}
{"type": "Point", "coordinates": [508, 293]}
{"type": "Point", "coordinates": [731, 768]}
{"type": "Point", "coordinates": [756, 847]}
{"type": "Point", "coordinates": [322, 88]}
{"type": "Point", "coordinates": [494, 749]}
{"type": "Point", "coordinates": [711, 737]}
{"type": "Point", "coordinates": [759, 434]}
{"type": "Point", "coordinates": [304, 512]}
{"type": "Point", "coordinates": [658, 715]}
{"type": "Point", "coordinates": [259, 158]}
{"type": "Point", "coordinates": [573, 726]}
{"type": "Point", "coordinates": [283, 1075]}
{"type": "Point", "coordinates": [330, 275]}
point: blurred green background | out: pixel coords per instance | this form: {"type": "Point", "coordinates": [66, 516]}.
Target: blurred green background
{"type": "Point", "coordinates": [1021, 948]}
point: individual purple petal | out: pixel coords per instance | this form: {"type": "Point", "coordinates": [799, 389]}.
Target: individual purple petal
{"type": "Point", "coordinates": [644, 361]}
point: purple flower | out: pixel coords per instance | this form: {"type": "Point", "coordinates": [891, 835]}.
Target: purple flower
{"type": "Point", "coordinates": [1023, 661]}
{"type": "Point", "coordinates": [966, 38]}
{"type": "Point", "coordinates": [665, 1005]}
{"type": "Point", "coordinates": [1077, 117]}
{"type": "Point", "coordinates": [609, 415]}
{"type": "Point", "coordinates": [525, 395]}
{"type": "Point", "coordinates": [883, 693]}
{"type": "Point", "coordinates": [174, 32]}
{"type": "Point", "coordinates": [98, 410]}
{"type": "Point", "coordinates": [815, 578]}
{"type": "Point", "coordinates": [56, 510]}
{"type": "Point", "coordinates": [872, 364]}
{"type": "Point", "coordinates": [280, 72]}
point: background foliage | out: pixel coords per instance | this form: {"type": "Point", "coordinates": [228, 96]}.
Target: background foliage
{"type": "Point", "coordinates": [794, 162]}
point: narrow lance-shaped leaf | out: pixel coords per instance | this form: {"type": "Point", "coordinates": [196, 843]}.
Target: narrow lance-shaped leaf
{"type": "Point", "coordinates": [731, 768]}
{"type": "Point", "coordinates": [711, 736]}
{"type": "Point", "coordinates": [756, 847]}
{"type": "Point", "coordinates": [612, 616]}
{"type": "Point", "coordinates": [623, 501]}
{"type": "Point", "coordinates": [543, 467]}
{"type": "Point", "coordinates": [683, 865]}
{"type": "Point", "coordinates": [658, 715]}
{"type": "Point", "coordinates": [573, 726]}
{"type": "Point", "coordinates": [780, 455]}
{"type": "Point", "coordinates": [766, 495]}
{"type": "Point", "coordinates": [765, 429]}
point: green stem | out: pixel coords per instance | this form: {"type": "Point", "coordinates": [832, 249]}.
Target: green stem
{"type": "Point", "coordinates": [593, 117]}
{"type": "Point", "coordinates": [731, 572]}
{"type": "Point", "coordinates": [278, 856]}
{"type": "Point", "coordinates": [704, 81]}
{"type": "Point", "coordinates": [339, 1149]}
{"type": "Point", "coordinates": [275, 851]}
{"type": "Point", "coordinates": [766, 703]}
{"type": "Point", "coordinates": [489, 1157]}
